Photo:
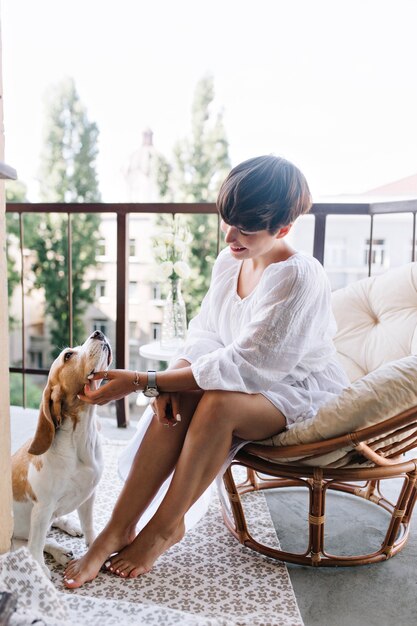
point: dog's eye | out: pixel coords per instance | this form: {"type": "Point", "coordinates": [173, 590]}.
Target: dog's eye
{"type": "Point", "coordinates": [68, 355]}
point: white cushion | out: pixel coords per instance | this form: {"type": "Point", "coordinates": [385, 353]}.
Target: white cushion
{"type": "Point", "coordinates": [377, 320]}
{"type": "Point", "coordinates": [382, 394]}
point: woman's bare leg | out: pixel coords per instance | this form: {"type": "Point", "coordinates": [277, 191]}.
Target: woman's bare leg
{"type": "Point", "coordinates": [154, 462]}
{"type": "Point", "coordinates": [218, 417]}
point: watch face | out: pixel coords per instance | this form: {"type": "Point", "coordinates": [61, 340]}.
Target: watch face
{"type": "Point", "coordinates": [151, 392]}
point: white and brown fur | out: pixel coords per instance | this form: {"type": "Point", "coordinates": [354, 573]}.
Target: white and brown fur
{"type": "Point", "coordinates": [58, 470]}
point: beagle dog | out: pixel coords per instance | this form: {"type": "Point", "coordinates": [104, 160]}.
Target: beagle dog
{"type": "Point", "coordinates": [58, 470]}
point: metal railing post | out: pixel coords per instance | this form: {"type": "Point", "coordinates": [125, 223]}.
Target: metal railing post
{"type": "Point", "coordinates": [22, 287]}
{"type": "Point", "coordinates": [70, 285]}
{"type": "Point", "coordinates": [122, 349]}
{"type": "Point", "coordinates": [319, 236]}
{"type": "Point", "coordinates": [370, 247]}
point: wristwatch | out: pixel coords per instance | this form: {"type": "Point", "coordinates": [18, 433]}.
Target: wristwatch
{"type": "Point", "coordinates": [151, 390]}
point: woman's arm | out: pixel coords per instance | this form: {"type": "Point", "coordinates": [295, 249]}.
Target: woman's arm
{"type": "Point", "coordinates": [122, 382]}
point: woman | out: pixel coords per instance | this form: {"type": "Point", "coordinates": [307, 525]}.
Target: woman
{"type": "Point", "coordinates": [258, 357]}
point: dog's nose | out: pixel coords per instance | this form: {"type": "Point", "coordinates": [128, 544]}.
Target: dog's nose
{"type": "Point", "coordinates": [97, 334]}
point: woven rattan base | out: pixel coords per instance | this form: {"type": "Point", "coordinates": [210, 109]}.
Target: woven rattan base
{"type": "Point", "coordinates": [263, 474]}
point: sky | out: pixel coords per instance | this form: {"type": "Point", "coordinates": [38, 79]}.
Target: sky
{"type": "Point", "coordinates": [329, 84]}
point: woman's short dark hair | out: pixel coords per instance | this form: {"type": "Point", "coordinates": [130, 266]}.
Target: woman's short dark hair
{"type": "Point", "coordinates": [263, 193]}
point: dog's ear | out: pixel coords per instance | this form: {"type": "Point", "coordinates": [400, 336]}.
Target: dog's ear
{"type": "Point", "coordinates": [49, 419]}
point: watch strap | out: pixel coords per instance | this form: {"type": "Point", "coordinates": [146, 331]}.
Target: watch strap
{"type": "Point", "coordinates": [151, 379]}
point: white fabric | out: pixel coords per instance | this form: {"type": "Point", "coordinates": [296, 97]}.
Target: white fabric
{"type": "Point", "coordinates": [384, 393]}
{"type": "Point", "coordinates": [377, 320]}
{"type": "Point", "coordinates": [277, 341]}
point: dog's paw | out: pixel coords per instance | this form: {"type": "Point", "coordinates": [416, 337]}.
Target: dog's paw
{"type": "Point", "coordinates": [61, 555]}
{"type": "Point", "coordinates": [64, 558]}
{"type": "Point", "coordinates": [69, 526]}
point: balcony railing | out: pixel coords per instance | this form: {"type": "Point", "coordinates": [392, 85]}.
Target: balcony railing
{"type": "Point", "coordinates": [320, 211]}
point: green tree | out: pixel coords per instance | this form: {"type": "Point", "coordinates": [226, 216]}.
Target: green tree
{"type": "Point", "coordinates": [199, 164]}
{"type": "Point", "coordinates": [15, 192]}
{"type": "Point", "coordinates": [67, 174]}
{"type": "Point", "coordinates": [33, 392]}
{"type": "Point", "coordinates": [68, 171]}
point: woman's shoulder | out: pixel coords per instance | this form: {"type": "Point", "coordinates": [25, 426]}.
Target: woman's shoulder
{"type": "Point", "coordinates": [299, 264]}
{"type": "Point", "coordinates": [301, 272]}
{"type": "Point", "coordinates": [307, 263]}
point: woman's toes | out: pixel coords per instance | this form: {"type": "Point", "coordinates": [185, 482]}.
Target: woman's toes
{"type": "Point", "coordinates": [125, 570]}
{"type": "Point", "coordinates": [138, 571]}
{"type": "Point", "coordinates": [70, 572]}
{"type": "Point", "coordinates": [121, 570]}
{"type": "Point", "coordinates": [69, 583]}
{"type": "Point", "coordinates": [134, 573]}
{"type": "Point", "coordinates": [72, 583]}
{"type": "Point", "coordinates": [72, 565]}
{"type": "Point", "coordinates": [115, 564]}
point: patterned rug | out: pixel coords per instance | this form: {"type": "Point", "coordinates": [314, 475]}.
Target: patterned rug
{"type": "Point", "coordinates": [208, 575]}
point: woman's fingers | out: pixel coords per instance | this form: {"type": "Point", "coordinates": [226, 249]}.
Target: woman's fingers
{"type": "Point", "coordinates": [175, 408]}
{"type": "Point", "coordinates": [118, 385]}
{"type": "Point", "coordinates": [159, 407]}
{"type": "Point", "coordinates": [165, 408]}
{"type": "Point", "coordinates": [172, 414]}
{"type": "Point", "coordinates": [91, 396]}
{"type": "Point", "coordinates": [106, 374]}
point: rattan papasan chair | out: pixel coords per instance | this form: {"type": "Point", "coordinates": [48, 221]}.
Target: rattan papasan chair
{"type": "Point", "coordinates": [358, 440]}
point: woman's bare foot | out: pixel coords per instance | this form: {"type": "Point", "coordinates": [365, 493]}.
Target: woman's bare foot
{"type": "Point", "coordinates": [87, 567]}
{"type": "Point", "coordinates": [138, 557]}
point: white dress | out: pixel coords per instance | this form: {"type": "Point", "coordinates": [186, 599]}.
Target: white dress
{"type": "Point", "coordinates": [277, 341]}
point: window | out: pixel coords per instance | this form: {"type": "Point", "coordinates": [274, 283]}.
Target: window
{"type": "Point", "coordinates": [156, 331]}
{"type": "Point", "coordinates": [101, 248]}
{"type": "Point", "coordinates": [36, 359]}
{"type": "Point", "coordinates": [378, 253]}
{"type": "Point", "coordinates": [132, 247]}
{"type": "Point", "coordinates": [156, 291]}
{"type": "Point", "coordinates": [100, 289]}
{"type": "Point", "coordinates": [132, 329]}
{"type": "Point", "coordinates": [133, 289]}
{"type": "Point", "coordinates": [100, 325]}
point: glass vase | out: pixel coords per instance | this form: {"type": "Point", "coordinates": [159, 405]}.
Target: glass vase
{"type": "Point", "coordinates": [174, 321]}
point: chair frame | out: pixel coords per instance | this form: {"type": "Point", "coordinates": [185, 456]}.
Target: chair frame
{"type": "Point", "coordinates": [384, 461]}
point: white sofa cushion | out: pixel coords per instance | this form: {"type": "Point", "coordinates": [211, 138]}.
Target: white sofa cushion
{"type": "Point", "coordinates": [377, 320]}
{"type": "Point", "coordinates": [382, 394]}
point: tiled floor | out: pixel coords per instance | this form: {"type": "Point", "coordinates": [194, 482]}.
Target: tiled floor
{"type": "Point", "coordinates": [383, 594]}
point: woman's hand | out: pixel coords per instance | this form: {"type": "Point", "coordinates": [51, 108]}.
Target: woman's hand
{"type": "Point", "coordinates": [166, 408]}
{"type": "Point", "coordinates": [119, 383]}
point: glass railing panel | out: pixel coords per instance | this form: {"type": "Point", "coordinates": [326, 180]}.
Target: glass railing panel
{"type": "Point", "coordinates": [301, 236]}
{"type": "Point", "coordinates": [345, 248]}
